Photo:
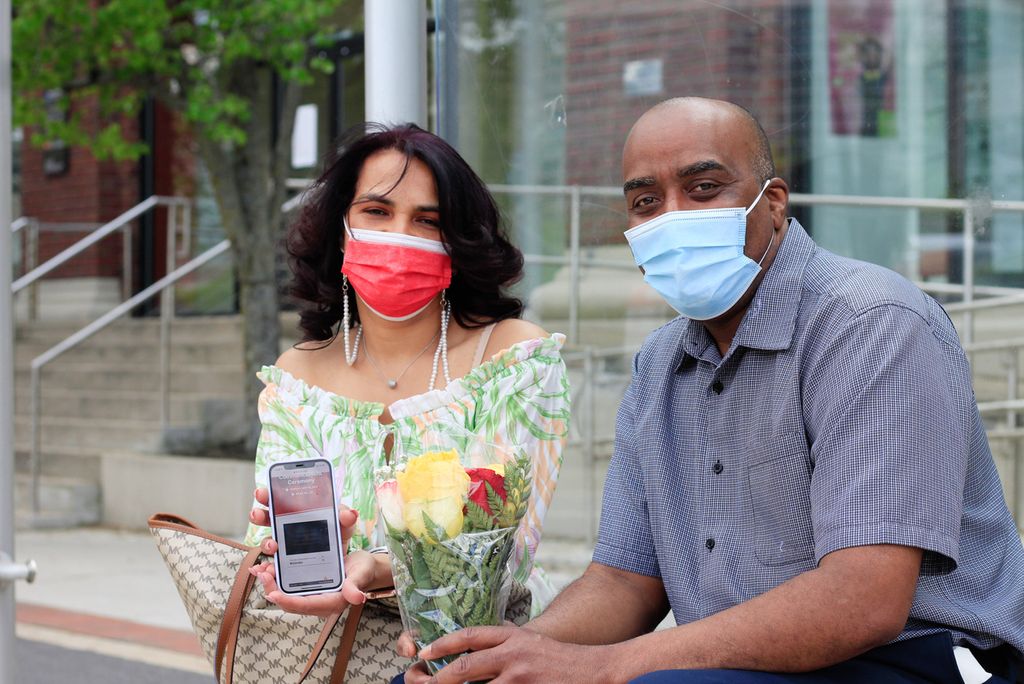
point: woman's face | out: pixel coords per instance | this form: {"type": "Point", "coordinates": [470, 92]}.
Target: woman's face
{"type": "Point", "coordinates": [410, 207]}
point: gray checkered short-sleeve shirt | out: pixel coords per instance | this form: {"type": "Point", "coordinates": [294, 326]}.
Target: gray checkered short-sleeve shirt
{"type": "Point", "coordinates": [843, 415]}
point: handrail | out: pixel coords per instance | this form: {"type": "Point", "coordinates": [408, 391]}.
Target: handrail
{"type": "Point", "coordinates": [19, 223]}
{"type": "Point", "coordinates": [970, 207]}
{"type": "Point", "coordinates": [94, 237]}
{"type": "Point", "coordinates": [627, 265]}
{"type": "Point", "coordinates": [995, 345]}
{"type": "Point", "coordinates": [991, 303]}
{"type": "Point", "coordinates": [91, 329]}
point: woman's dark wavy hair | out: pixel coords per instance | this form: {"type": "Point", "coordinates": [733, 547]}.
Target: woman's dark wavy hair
{"type": "Point", "coordinates": [484, 262]}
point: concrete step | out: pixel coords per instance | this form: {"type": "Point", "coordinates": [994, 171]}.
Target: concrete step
{"type": "Point", "coordinates": [185, 408]}
{"type": "Point", "coordinates": [74, 462]}
{"type": "Point", "coordinates": [141, 330]}
{"type": "Point", "coordinates": [89, 434]}
{"type": "Point", "coordinates": [63, 502]}
{"type": "Point", "coordinates": [190, 329]}
{"type": "Point", "coordinates": [213, 351]}
{"type": "Point", "coordinates": [218, 379]}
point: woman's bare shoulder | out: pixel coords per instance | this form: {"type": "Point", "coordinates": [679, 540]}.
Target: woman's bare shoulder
{"type": "Point", "coordinates": [512, 330]}
{"type": "Point", "coordinates": [302, 359]}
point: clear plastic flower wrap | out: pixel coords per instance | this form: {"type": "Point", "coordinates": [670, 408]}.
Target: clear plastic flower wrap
{"type": "Point", "coordinates": [450, 517]}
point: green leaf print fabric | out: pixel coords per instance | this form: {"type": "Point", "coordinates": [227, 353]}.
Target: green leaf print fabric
{"type": "Point", "coordinates": [520, 397]}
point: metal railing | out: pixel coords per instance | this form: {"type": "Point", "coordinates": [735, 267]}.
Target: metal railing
{"type": "Point", "coordinates": [178, 215]}
{"type": "Point", "coordinates": [974, 298]}
{"type": "Point", "coordinates": [165, 283]}
{"type": "Point", "coordinates": [970, 208]}
{"type": "Point", "coordinates": [123, 223]}
{"type": "Point", "coordinates": [591, 359]}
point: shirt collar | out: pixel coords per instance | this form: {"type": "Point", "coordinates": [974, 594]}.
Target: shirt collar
{"type": "Point", "coordinates": [771, 318]}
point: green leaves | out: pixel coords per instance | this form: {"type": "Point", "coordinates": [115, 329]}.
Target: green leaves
{"type": "Point", "coordinates": [517, 489]}
{"type": "Point", "coordinates": [435, 532]}
{"type": "Point", "coordinates": [477, 519]}
{"type": "Point", "coordinates": [187, 53]}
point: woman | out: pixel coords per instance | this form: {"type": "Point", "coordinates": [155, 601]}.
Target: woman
{"type": "Point", "coordinates": [401, 270]}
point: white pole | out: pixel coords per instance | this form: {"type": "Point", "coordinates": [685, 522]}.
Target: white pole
{"type": "Point", "coordinates": [6, 355]}
{"type": "Point", "coordinates": [396, 61]}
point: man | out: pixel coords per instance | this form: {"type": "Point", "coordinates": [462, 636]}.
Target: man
{"type": "Point", "coordinates": [800, 472]}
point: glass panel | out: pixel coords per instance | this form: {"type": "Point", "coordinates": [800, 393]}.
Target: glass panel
{"type": "Point", "coordinates": [210, 289]}
{"type": "Point", "coordinates": [890, 102]}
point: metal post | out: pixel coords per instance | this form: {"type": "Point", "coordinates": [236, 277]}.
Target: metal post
{"type": "Point", "coordinates": [8, 571]}
{"type": "Point", "coordinates": [6, 353]}
{"type": "Point", "coordinates": [36, 435]}
{"type": "Point", "coordinates": [33, 261]}
{"type": "Point", "coordinates": [126, 262]}
{"type": "Point", "coordinates": [1012, 378]}
{"type": "Point", "coordinates": [968, 268]}
{"type": "Point", "coordinates": [166, 314]}
{"type": "Point", "coordinates": [396, 61]}
{"type": "Point", "coordinates": [574, 265]}
{"type": "Point", "coordinates": [590, 425]}
{"type": "Point", "coordinates": [186, 231]}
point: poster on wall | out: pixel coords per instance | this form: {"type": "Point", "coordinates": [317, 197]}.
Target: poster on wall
{"type": "Point", "coordinates": [862, 84]}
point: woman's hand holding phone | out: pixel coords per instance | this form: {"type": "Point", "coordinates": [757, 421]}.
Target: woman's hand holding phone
{"type": "Point", "coordinates": [363, 570]}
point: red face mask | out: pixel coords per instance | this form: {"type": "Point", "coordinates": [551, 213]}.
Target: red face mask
{"type": "Point", "coordinates": [396, 275]}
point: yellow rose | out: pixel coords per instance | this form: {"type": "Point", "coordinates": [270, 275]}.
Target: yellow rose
{"type": "Point", "coordinates": [436, 484]}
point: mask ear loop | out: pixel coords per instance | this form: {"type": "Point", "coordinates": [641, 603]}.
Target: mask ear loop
{"type": "Point", "coordinates": [348, 230]}
{"type": "Point", "coordinates": [751, 207]}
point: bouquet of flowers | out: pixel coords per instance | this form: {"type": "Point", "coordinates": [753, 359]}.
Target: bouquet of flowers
{"type": "Point", "coordinates": [450, 529]}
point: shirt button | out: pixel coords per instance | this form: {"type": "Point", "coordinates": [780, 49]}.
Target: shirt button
{"type": "Point", "coordinates": [710, 543]}
{"type": "Point", "coordinates": [717, 387]}
{"type": "Point", "coordinates": [717, 468]}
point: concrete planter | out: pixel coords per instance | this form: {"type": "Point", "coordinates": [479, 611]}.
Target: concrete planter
{"type": "Point", "coordinates": [214, 493]}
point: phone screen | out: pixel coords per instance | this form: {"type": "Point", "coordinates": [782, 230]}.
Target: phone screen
{"type": "Point", "coordinates": [305, 526]}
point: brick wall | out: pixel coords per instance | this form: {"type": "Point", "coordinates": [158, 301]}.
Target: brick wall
{"type": "Point", "coordinates": [90, 191]}
{"type": "Point", "coordinates": [737, 53]}
{"type": "Point", "coordinates": [97, 191]}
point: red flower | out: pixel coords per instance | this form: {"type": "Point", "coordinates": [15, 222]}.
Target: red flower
{"type": "Point", "coordinates": [478, 490]}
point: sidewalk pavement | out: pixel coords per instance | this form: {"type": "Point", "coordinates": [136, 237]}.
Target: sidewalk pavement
{"type": "Point", "coordinates": [108, 592]}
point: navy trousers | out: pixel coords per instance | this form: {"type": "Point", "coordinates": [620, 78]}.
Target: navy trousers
{"type": "Point", "coordinates": [924, 660]}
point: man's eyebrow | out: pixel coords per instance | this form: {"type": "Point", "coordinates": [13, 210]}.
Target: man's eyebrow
{"type": "Point", "coordinates": [700, 167]}
{"type": "Point", "coordinates": [634, 183]}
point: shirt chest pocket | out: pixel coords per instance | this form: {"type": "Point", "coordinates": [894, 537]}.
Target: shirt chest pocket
{"type": "Point", "coordinates": [780, 488]}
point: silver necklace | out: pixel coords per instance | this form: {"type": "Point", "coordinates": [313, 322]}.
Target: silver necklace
{"type": "Point", "coordinates": [393, 382]}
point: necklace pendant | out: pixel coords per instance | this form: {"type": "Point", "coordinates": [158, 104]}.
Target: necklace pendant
{"type": "Point", "coordinates": [392, 384]}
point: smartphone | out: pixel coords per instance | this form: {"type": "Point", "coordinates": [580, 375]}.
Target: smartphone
{"type": "Point", "coordinates": [304, 523]}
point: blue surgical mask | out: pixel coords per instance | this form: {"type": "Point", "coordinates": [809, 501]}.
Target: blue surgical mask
{"type": "Point", "coordinates": [695, 259]}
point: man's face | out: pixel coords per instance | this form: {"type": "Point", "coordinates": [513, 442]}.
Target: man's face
{"type": "Point", "coordinates": [695, 156]}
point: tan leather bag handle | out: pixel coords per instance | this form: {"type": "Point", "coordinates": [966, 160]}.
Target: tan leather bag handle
{"type": "Point", "coordinates": [227, 636]}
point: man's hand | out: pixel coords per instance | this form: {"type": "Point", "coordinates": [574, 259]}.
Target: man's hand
{"type": "Point", "coordinates": [506, 654]}
{"type": "Point", "coordinates": [362, 570]}
{"type": "Point", "coordinates": [858, 598]}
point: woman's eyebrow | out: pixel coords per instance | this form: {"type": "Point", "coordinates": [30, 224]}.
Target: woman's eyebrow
{"type": "Point", "coordinates": [384, 199]}
{"type": "Point", "coordinates": [374, 197]}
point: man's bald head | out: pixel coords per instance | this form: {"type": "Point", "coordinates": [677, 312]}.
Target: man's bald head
{"type": "Point", "coordinates": [693, 110]}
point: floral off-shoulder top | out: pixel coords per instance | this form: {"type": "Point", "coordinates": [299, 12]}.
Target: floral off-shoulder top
{"type": "Point", "coordinates": [520, 397]}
